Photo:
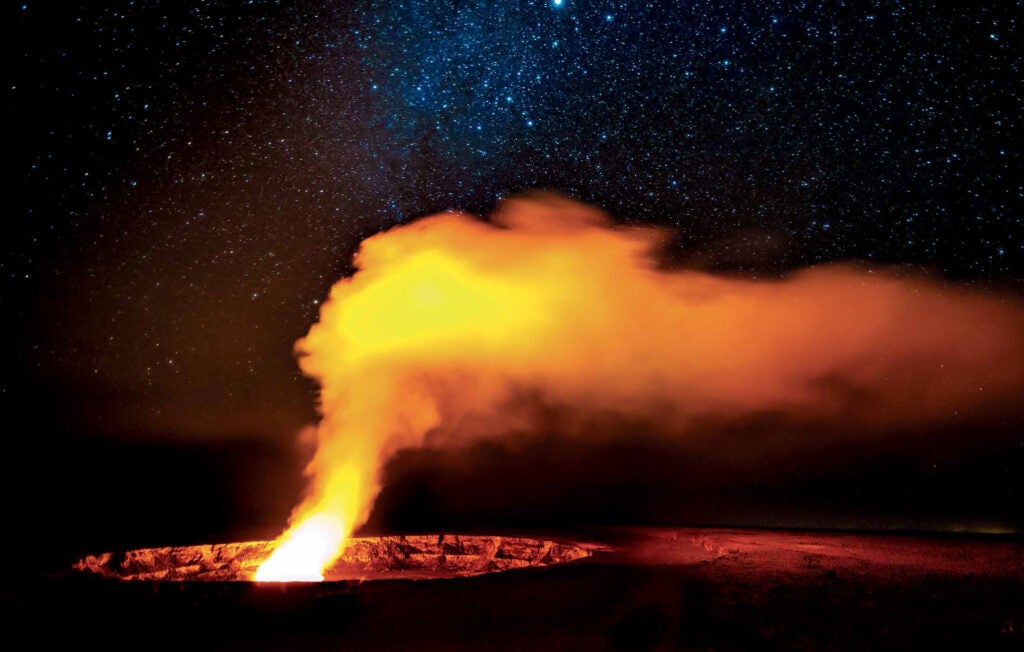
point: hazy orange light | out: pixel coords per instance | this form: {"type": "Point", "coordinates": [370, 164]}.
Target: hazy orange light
{"type": "Point", "coordinates": [303, 554]}
{"type": "Point", "coordinates": [449, 319]}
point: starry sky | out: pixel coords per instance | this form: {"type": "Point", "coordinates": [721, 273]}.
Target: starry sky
{"type": "Point", "coordinates": [191, 177]}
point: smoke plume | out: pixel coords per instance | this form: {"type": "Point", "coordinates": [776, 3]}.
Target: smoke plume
{"type": "Point", "coordinates": [455, 329]}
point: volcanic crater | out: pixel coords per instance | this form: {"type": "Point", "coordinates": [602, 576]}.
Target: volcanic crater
{"type": "Point", "coordinates": [427, 556]}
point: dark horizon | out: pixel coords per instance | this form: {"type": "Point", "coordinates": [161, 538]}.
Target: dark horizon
{"type": "Point", "coordinates": [126, 495]}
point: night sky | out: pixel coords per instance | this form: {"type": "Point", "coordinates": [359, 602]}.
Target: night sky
{"type": "Point", "coordinates": [191, 177]}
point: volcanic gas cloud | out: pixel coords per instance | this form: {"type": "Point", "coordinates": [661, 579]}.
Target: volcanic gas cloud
{"type": "Point", "coordinates": [450, 320]}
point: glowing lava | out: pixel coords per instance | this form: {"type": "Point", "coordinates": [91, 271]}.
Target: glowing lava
{"type": "Point", "coordinates": [305, 551]}
{"type": "Point", "coordinates": [316, 539]}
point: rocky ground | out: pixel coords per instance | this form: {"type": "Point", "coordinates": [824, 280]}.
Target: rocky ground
{"type": "Point", "coordinates": [642, 589]}
{"type": "Point", "coordinates": [396, 557]}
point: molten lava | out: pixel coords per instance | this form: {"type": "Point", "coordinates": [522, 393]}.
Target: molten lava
{"type": "Point", "coordinates": [450, 321]}
{"type": "Point", "coordinates": [305, 551]}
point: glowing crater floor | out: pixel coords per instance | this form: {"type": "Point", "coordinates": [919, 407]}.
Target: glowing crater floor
{"type": "Point", "coordinates": [393, 557]}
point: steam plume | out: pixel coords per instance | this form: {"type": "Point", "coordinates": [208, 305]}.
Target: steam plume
{"type": "Point", "coordinates": [450, 320]}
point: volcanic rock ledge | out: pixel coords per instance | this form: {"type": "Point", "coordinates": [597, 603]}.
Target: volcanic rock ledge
{"type": "Point", "coordinates": [394, 557]}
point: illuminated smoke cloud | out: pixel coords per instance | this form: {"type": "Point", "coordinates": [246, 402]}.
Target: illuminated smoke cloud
{"type": "Point", "coordinates": [450, 321]}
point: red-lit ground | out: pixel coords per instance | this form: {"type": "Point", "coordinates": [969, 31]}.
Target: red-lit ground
{"type": "Point", "coordinates": [413, 557]}
{"type": "Point", "coordinates": [652, 588]}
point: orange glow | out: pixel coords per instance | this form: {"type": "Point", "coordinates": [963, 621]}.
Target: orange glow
{"type": "Point", "coordinates": [305, 552]}
{"type": "Point", "coordinates": [449, 319]}
{"type": "Point", "coordinates": [316, 539]}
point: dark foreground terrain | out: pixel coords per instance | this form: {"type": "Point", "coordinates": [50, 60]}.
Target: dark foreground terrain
{"type": "Point", "coordinates": [648, 589]}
